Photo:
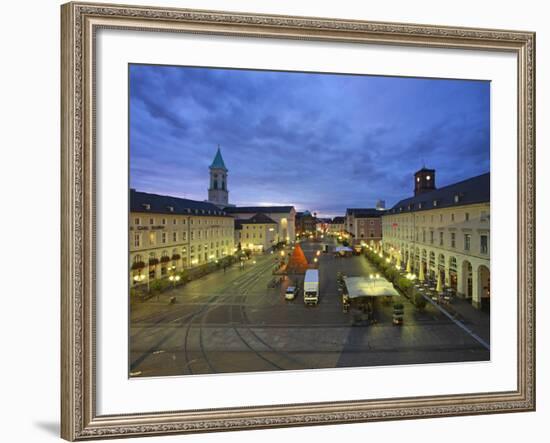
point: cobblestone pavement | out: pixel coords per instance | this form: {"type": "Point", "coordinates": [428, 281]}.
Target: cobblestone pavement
{"type": "Point", "coordinates": [232, 322]}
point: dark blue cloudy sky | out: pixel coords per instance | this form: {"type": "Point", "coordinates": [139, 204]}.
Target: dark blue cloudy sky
{"type": "Point", "coordinates": [321, 142]}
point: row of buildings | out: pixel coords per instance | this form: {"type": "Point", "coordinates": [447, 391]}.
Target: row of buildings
{"type": "Point", "coordinates": [445, 231]}
{"type": "Point", "coordinates": [170, 234]}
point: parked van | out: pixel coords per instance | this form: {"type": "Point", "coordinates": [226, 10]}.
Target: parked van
{"type": "Point", "coordinates": [311, 287]}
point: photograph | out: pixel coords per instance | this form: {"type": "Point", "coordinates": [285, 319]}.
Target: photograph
{"type": "Point", "coordinates": [283, 220]}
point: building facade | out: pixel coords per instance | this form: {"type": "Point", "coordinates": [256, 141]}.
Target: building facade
{"type": "Point", "coordinates": [284, 216]}
{"type": "Point", "coordinates": [446, 232]}
{"type": "Point", "coordinates": [337, 225]}
{"type": "Point", "coordinates": [364, 225]}
{"type": "Point", "coordinates": [258, 233]}
{"type": "Point", "coordinates": [305, 223]}
{"type": "Point", "coordinates": [170, 234]}
{"type": "Point", "coordinates": [322, 225]}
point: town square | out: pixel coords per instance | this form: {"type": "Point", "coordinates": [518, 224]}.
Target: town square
{"type": "Point", "coordinates": [299, 270]}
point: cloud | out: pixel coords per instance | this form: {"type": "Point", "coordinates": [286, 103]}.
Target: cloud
{"type": "Point", "coordinates": [325, 142]}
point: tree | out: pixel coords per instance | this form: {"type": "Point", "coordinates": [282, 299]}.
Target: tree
{"type": "Point", "coordinates": [297, 264]}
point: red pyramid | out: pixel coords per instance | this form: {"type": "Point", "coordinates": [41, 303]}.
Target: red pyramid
{"type": "Point", "coordinates": [298, 261]}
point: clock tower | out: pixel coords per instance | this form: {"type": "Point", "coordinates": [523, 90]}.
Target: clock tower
{"type": "Point", "coordinates": [424, 181]}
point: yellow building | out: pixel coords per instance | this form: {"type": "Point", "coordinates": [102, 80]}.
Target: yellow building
{"type": "Point", "coordinates": [258, 233]}
{"type": "Point", "coordinates": [170, 234]}
{"type": "Point", "coordinates": [445, 232]}
{"type": "Point", "coordinates": [284, 216]}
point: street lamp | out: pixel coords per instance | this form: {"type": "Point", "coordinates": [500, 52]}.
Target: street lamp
{"type": "Point", "coordinates": [174, 279]}
{"type": "Point", "coordinates": [139, 278]}
{"type": "Point", "coordinates": [373, 278]}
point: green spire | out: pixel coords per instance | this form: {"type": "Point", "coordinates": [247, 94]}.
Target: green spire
{"type": "Point", "coordinates": [218, 161]}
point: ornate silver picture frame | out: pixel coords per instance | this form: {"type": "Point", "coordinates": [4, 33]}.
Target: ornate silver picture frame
{"type": "Point", "coordinates": [80, 23]}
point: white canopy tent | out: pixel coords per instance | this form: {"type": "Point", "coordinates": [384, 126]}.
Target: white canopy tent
{"type": "Point", "coordinates": [369, 287]}
{"type": "Point", "coordinates": [343, 249]}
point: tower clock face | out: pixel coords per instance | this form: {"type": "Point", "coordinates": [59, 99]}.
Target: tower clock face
{"type": "Point", "coordinates": [428, 177]}
{"type": "Point", "coordinates": [418, 179]}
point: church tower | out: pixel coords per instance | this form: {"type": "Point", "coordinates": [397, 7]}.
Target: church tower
{"type": "Point", "coordinates": [217, 192]}
{"type": "Point", "coordinates": [424, 181]}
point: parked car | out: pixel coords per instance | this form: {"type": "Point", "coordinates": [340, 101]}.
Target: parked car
{"type": "Point", "coordinates": [291, 292]}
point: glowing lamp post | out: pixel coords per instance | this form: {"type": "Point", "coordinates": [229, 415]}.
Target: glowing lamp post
{"type": "Point", "coordinates": [374, 277]}
{"type": "Point", "coordinates": [174, 279]}
{"type": "Point", "coordinates": [139, 278]}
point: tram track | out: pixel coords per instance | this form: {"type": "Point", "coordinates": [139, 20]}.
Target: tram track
{"type": "Point", "coordinates": [189, 320]}
{"type": "Point", "coordinates": [245, 324]}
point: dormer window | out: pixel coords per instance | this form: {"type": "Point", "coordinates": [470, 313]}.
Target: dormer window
{"type": "Point", "coordinates": [171, 208]}
{"type": "Point", "coordinates": [435, 202]}
{"type": "Point", "coordinates": [146, 206]}
{"type": "Point", "coordinates": [457, 198]}
{"type": "Point", "coordinates": [420, 205]}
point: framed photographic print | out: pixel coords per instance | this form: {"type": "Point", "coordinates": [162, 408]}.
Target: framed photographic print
{"type": "Point", "coordinates": [281, 221]}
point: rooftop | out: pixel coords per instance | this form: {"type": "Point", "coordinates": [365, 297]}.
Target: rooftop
{"type": "Point", "coordinates": [218, 162]}
{"type": "Point", "coordinates": [473, 190]}
{"type": "Point", "coordinates": [364, 212]}
{"type": "Point", "coordinates": [164, 204]}
{"type": "Point", "coordinates": [258, 219]}
{"type": "Point", "coordinates": [257, 209]}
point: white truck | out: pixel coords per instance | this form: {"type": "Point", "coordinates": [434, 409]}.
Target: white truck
{"type": "Point", "coordinates": [311, 287]}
